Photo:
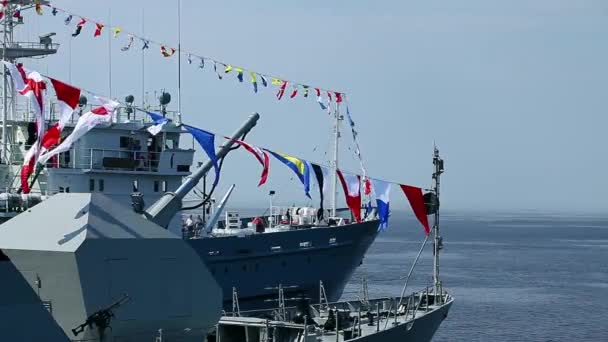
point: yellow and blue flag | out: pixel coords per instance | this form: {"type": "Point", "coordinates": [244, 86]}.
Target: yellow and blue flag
{"type": "Point", "coordinates": [299, 166]}
{"type": "Point", "coordinates": [239, 74]}
{"type": "Point", "coordinates": [254, 81]}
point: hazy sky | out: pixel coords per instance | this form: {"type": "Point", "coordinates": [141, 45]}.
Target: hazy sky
{"type": "Point", "coordinates": [513, 92]}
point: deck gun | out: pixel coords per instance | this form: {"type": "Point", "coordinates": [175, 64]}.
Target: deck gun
{"type": "Point", "coordinates": [163, 210]}
{"type": "Point", "coordinates": [101, 318]}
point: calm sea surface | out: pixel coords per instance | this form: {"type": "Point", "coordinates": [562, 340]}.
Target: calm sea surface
{"type": "Point", "coordinates": [520, 277]}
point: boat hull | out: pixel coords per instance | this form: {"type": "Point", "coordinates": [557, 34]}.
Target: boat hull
{"type": "Point", "coordinates": [298, 260]}
{"type": "Point", "coordinates": [423, 329]}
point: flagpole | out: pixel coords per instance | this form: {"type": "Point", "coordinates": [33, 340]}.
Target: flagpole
{"type": "Point", "coordinates": [179, 61]}
{"type": "Point", "coordinates": [4, 95]}
{"type": "Point", "coordinates": [143, 67]}
{"type": "Point", "coordinates": [334, 180]}
{"type": "Point", "coordinates": [438, 165]}
{"type": "Point", "coordinates": [110, 51]}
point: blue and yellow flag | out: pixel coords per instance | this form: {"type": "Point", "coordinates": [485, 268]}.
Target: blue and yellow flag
{"type": "Point", "coordinates": [299, 166]}
{"type": "Point", "coordinates": [254, 81]}
{"type": "Point", "coordinates": [239, 74]}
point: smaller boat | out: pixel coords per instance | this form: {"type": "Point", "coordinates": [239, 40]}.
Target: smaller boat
{"type": "Point", "coordinates": [413, 318]}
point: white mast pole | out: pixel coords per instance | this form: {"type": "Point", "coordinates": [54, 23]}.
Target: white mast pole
{"type": "Point", "coordinates": [334, 180]}
{"type": "Point", "coordinates": [143, 60]}
{"type": "Point", "coordinates": [4, 93]}
{"type": "Point", "coordinates": [179, 61]}
{"type": "Point", "coordinates": [438, 163]}
{"type": "Point", "coordinates": [110, 52]}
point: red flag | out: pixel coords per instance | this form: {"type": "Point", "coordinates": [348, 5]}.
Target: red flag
{"type": "Point", "coordinates": [338, 97]}
{"type": "Point", "coordinates": [367, 189]}
{"type": "Point", "coordinates": [282, 90]}
{"type": "Point", "coordinates": [294, 92]}
{"type": "Point", "coordinates": [98, 29]}
{"type": "Point", "coordinates": [318, 92]}
{"type": "Point", "coordinates": [414, 196]}
{"type": "Point", "coordinates": [351, 185]}
{"type": "Point", "coordinates": [17, 13]}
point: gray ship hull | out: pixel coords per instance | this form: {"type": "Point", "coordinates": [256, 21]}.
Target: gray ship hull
{"type": "Point", "coordinates": [423, 329]}
{"type": "Point", "coordinates": [254, 264]}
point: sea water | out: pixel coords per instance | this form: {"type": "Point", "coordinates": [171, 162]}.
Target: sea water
{"type": "Point", "coordinates": [514, 277]}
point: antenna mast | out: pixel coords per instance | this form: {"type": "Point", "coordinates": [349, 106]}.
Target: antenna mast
{"type": "Point", "coordinates": [5, 41]}
{"type": "Point", "coordinates": [334, 164]}
{"type": "Point", "coordinates": [179, 61]}
{"type": "Point", "coordinates": [12, 50]}
{"type": "Point", "coordinates": [437, 239]}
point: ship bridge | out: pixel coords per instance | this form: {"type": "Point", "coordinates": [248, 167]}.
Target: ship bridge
{"type": "Point", "coordinates": [116, 160]}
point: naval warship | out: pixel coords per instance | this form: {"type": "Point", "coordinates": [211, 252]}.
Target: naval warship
{"type": "Point", "coordinates": [108, 160]}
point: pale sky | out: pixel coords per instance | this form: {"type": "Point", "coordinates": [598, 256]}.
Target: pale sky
{"type": "Point", "coordinates": [513, 92]}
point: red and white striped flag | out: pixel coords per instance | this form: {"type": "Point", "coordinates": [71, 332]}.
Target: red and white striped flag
{"type": "Point", "coordinates": [97, 116]}
{"type": "Point", "coordinates": [260, 155]}
{"type": "Point", "coordinates": [67, 100]}
{"type": "Point", "coordinates": [32, 85]}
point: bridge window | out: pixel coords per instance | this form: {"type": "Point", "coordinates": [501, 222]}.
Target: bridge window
{"type": "Point", "coordinates": [130, 143]}
{"type": "Point", "coordinates": [91, 185]}
{"type": "Point", "coordinates": [101, 185]}
{"type": "Point", "coordinates": [156, 186]}
{"type": "Point", "coordinates": [125, 142]}
{"type": "Point", "coordinates": [164, 186]}
{"type": "Point", "coordinates": [305, 244]}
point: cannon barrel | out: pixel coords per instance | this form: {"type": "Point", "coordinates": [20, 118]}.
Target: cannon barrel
{"type": "Point", "coordinates": [163, 210]}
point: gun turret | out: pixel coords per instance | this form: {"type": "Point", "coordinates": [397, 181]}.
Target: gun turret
{"type": "Point", "coordinates": [101, 318]}
{"type": "Point", "coordinates": [163, 210]}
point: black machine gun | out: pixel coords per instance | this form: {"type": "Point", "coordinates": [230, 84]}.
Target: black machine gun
{"type": "Point", "coordinates": [101, 318]}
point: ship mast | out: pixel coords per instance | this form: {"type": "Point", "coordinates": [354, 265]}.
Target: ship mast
{"type": "Point", "coordinates": [11, 51]}
{"type": "Point", "coordinates": [179, 60]}
{"type": "Point", "coordinates": [4, 157]}
{"type": "Point", "coordinates": [437, 240]}
{"type": "Point", "coordinates": [334, 164]}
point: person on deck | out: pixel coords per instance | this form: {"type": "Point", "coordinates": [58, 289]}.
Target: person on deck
{"type": "Point", "coordinates": [189, 226]}
{"type": "Point", "coordinates": [258, 223]}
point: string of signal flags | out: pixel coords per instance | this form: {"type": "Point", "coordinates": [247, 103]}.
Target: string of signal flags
{"type": "Point", "coordinates": [326, 98]}
{"type": "Point", "coordinates": [33, 85]}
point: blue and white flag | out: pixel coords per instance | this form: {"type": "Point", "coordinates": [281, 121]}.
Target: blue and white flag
{"type": "Point", "coordinates": [159, 122]}
{"type": "Point", "coordinates": [207, 142]}
{"type": "Point", "coordinates": [382, 190]}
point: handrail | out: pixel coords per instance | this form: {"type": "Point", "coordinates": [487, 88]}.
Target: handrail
{"type": "Point", "coordinates": [32, 45]}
